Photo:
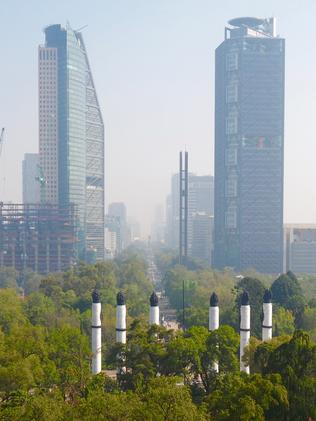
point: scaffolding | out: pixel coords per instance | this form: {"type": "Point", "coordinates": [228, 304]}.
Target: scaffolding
{"type": "Point", "coordinates": [39, 237]}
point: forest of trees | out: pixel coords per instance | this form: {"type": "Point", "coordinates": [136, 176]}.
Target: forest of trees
{"type": "Point", "coordinates": [294, 298]}
{"type": "Point", "coordinates": [165, 375]}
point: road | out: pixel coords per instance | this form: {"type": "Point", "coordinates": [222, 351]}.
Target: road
{"type": "Point", "coordinates": [167, 313]}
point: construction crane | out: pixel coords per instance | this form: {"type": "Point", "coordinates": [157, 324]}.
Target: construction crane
{"type": "Point", "coordinates": [42, 180]}
{"type": "Point", "coordinates": [1, 139]}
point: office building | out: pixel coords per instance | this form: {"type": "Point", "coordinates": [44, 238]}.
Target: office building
{"type": "Point", "coordinates": [249, 135]}
{"type": "Point", "coordinates": [30, 183]}
{"type": "Point", "coordinates": [117, 211]}
{"type": "Point", "coordinates": [183, 208]}
{"type": "Point", "coordinates": [157, 234]}
{"type": "Point", "coordinates": [202, 237]}
{"type": "Point", "coordinates": [300, 248]}
{"type": "Point", "coordinates": [71, 134]}
{"type": "Point", "coordinates": [113, 241]}
{"type": "Point", "coordinates": [200, 200]}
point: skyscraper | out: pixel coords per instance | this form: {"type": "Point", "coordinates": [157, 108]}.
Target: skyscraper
{"type": "Point", "coordinates": [31, 187]}
{"type": "Point", "coordinates": [71, 133]}
{"type": "Point", "coordinates": [200, 201]}
{"type": "Point", "coordinates": [117, 210]}
{"type": "Point", "coordinates": [249, 134]}
{"type": "Point", "coordinates": [202, 237]}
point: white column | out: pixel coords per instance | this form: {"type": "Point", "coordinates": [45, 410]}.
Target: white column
{"type": "Point", "coordinates": [244, 329]}
{"type": "Point", "coordinates": [120, 319]}
{"type": "Point", "coordinates": [96, 343]}
{"type": "Point", "coordinates": [213, 319]}
{"type": "Point", "coordinates": [154, 310]}
{"type": "Point", "coordinates": [267, 316]}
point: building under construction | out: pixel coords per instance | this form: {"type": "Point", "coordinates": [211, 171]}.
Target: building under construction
{"type": "Point", "coordinates": [42, 238]}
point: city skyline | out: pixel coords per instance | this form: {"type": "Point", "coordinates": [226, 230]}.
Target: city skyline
{"type": "Point", "coordinates": [174, 66]}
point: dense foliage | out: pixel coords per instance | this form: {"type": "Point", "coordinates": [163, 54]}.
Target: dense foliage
{"type": "Point", "coordinates": [294, 298]}
{"type": "Point", "coordinates": [162, 374]}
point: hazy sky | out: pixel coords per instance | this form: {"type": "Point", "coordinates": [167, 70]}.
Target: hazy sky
{"type": "Point", "coordinates": [153, 65]}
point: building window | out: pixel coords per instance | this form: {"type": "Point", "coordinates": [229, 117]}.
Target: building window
{"type": "Point", "coordinates": [232, 93]}
{"type": "Point", "coordinates": [231, 125]}
{"type": "Point", "coordinates": [231, 156]}
{"type": "Point", "coordinates": [231, 187]}
{"type": "Point", "coordinates": [231, 61]}
{"type": "Point", "coordinates": [231, 218]}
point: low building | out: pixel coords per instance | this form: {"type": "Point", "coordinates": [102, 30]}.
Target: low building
{"type": "Point", "coordinates": [300, 248]}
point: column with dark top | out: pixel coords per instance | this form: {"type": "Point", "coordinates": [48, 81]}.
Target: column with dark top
{"type": "Point", "coordinates": [154, 309]}
{"type": "Point", "coordinates": [96, 343]}
{"type": "Point", "coordinates": [267, 316]}
{"type": "Point", "coordinates": [244, 329]}
{"type": "Point", "coordinates": [120, 319]}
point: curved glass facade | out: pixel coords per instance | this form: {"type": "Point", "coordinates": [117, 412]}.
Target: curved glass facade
{"type": "Point", "coordinates": [77, 137]}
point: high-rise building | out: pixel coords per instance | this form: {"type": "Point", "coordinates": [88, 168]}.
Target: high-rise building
{"type": "Point", "coordinates": [71, 133]}
{"type": "Point", "coordinates": [183, 208]}
{"type": "Point", "coordinates": [117, 211]}
{"type": "Point", "coordinates": [200, 200]}
{"type": "Point", "coordinates": [249, 134]}
{"type": "Point", "coordinates": [202, 237]}
{"type": "Point", "coordinates": [157, 233]}
{"type": "Point", "coordinates": [31, 186]}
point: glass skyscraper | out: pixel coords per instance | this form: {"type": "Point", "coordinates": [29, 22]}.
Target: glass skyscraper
{"type": "Point", "coordinates": [71, 134]}
{"type": "Point", "coordinates": [249, 137]}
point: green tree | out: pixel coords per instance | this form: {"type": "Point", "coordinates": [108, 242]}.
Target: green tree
{"type": "Point", "coordinates": [166, 399]}
{"type": "Point", "coordinates": [283, 322]}
{"type": "Point", "coordinates": [249, 398]}
{"type": "Point", "coordinates": [143, 355]}
{"type": "Point", "coordinates": [8, 278]}
{"type": "Point", "coordinates": [29, 281]}
{"type": "Point", "coordinates": [70, 351]}
{"type": "Point", "coordinates": [40, 310]}
{"type": "Point", "coordinates": [37, 406]}
{"type": "Point", "coordinates": [192, 355]}
{"type": "Point", "coordinates": [284, 288]}
{"type": "Point", "coordinates": [295, 361]}
{"type": "Point", "coordinates": [11, 312]}
{"type": "Point", "coordinates": [309, 321]}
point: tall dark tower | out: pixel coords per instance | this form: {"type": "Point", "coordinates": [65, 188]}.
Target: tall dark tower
{"type": "Point", "coordinates": [183, 208]}
{"type": "Point", "coordinates": [249, 135]}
